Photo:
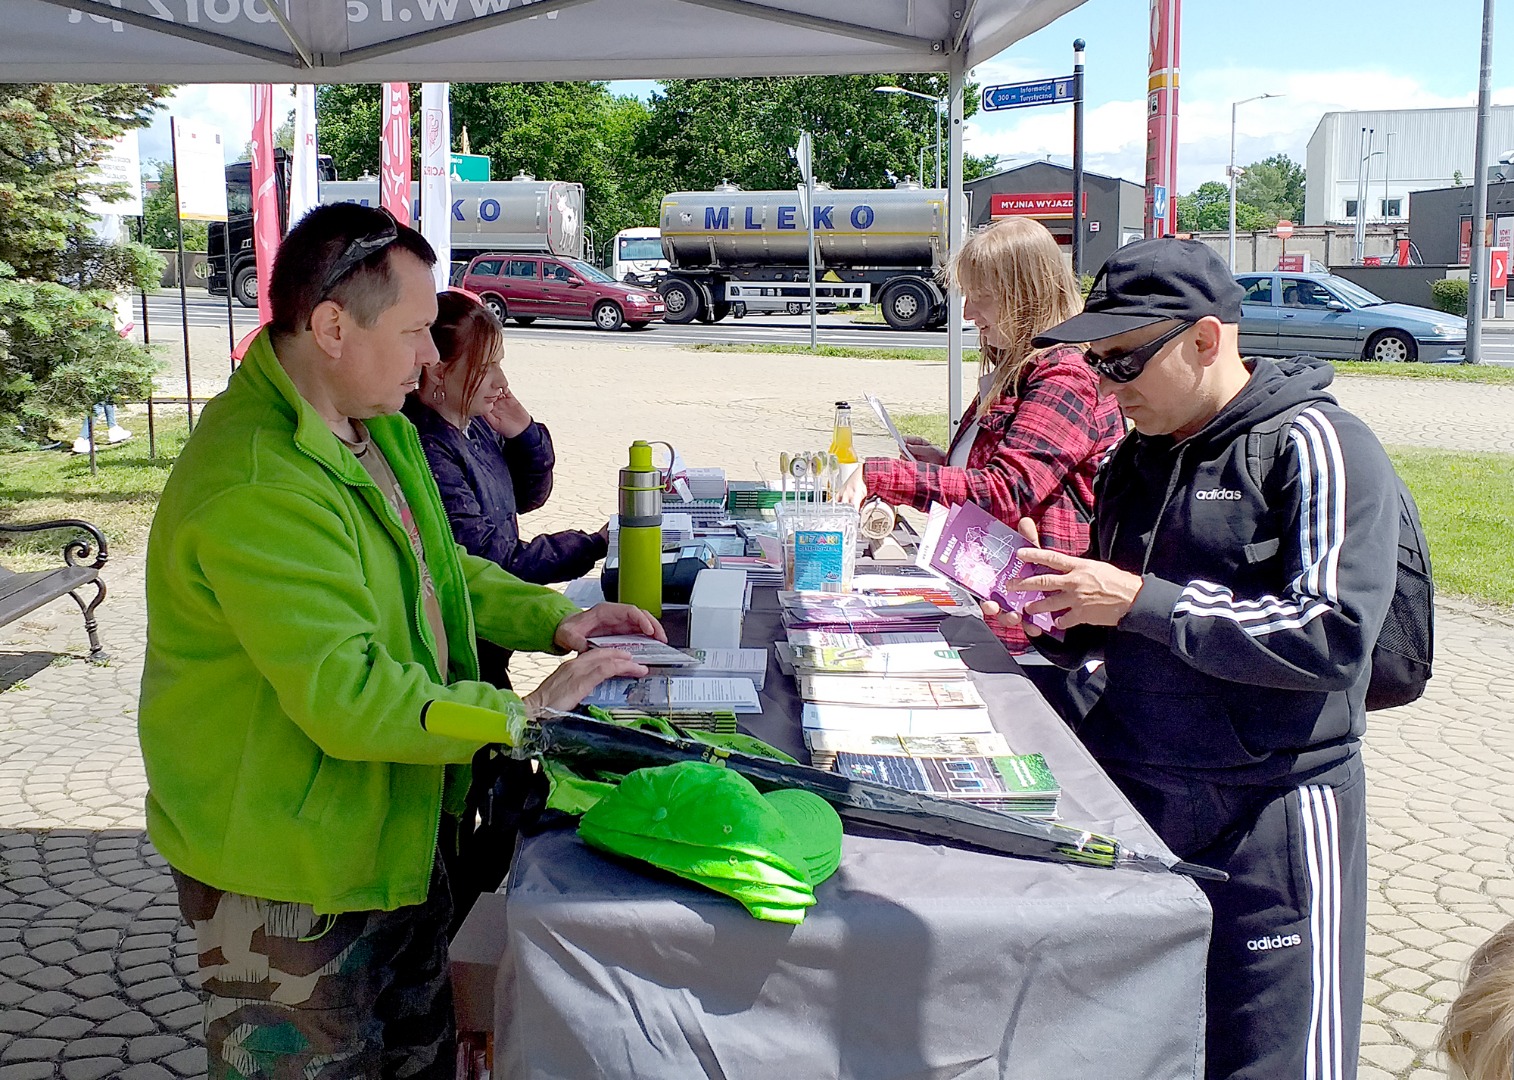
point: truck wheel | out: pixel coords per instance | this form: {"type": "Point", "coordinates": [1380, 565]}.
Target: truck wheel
{"type": "Point", "coordinates": [681, 300]}
{"type": "Point", "coordinates": [245, 287]}
{"type": "Point", "coordinates": [607, 316]}
{"type": "Point", "coordinates": [906, 305]}
{"type": "Point", "coordinates": [524, 320]}
{"type": "Point", "coordinates": [713, 313]}
{"type": "Point", "coordinates": [496, 306]}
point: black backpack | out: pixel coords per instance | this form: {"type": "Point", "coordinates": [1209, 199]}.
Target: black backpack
{"type": "Point", "coordinates": [1405, 647]}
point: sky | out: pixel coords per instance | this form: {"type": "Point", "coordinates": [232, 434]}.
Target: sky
{"type": "Point", "coordinates": [1323, 56]}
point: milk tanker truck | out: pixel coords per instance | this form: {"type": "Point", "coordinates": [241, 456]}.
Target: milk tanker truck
{"type": "Point", "coordinates": [729, 246]}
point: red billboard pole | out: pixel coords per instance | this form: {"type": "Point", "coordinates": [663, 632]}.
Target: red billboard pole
{"type": "Point", "coordinates": [1162, 118]}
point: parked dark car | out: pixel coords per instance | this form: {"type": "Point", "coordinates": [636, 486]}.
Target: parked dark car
{"type": "Point", "coordinates": [1288, 314]}
{"type": "Point", "coordinates": [530, 287]}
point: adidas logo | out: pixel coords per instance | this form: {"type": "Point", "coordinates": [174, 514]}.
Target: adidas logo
{"type": "Point", "coordinates": [1277, 941]}
{"type": "Point", "coordinates": [1225, 494]}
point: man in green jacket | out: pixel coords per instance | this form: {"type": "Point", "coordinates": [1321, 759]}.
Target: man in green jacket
{"type": "Point", "coordinates": [305, 600]}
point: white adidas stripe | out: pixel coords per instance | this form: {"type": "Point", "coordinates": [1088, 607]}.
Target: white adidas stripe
{"type": "Point", "coordinates": [1324, 1051]}
{"type": "Point", "coordinates": [1322, 533]}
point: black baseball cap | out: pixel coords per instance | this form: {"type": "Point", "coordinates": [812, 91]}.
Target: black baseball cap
{"type": "Point", "coordinates": [1152, 281]}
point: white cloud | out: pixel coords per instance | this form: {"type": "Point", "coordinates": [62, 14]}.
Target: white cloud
{"type": "Point", "coordinates": [227, 108]}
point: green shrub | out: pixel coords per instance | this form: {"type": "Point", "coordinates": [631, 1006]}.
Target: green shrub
{"type": "Point", "coordinates": [1449, 295]}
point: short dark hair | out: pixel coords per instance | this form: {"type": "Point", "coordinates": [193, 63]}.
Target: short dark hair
{"type": "Point", "coordinates": [312, 248]}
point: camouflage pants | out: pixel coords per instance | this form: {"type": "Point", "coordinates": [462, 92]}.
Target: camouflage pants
{"type": "Point", "coordinates": [293, 994]}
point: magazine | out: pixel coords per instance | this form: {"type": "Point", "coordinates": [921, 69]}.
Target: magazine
{"type": "Point", "coordinates": [1021, 783]}
{"type": "Point", "coordinates": [891, 693]}
{"type": "Point", "coordinates": [966, 544]}
{"type": "Point", "coordinates": [825, 745]}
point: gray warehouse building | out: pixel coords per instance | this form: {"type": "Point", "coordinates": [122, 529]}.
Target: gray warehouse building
{"type": "Point", "coordinates": [1114, 208]}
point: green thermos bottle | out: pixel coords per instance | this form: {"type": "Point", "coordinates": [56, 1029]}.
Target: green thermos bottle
{"type": "Point", "coordinates": [640, 533]}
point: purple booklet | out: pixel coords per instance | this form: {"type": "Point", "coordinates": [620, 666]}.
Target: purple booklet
{"type": "Point", "coordinates": [978, 551]}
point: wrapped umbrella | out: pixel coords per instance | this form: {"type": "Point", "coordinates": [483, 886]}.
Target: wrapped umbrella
{"type": "Point", "coordinates": [582, 742]}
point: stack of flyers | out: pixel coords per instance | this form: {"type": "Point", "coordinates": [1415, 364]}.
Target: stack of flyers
{"type": "Point", "coordinates": [925, 659]}
{"type": "Point", "coordinates": [759, 571]}
{"type": "Point", "coordinates": [1021, 783]}
{"type": "Point", "coordinates": [857, 611]}
{"type": "Point", "coordinates": [731, 664]}
{"type": "Point", "coordinates": [872, 720]}
{"type": "Point", "coordinates": [891, 693]}
{"type": "Point", "coordinates": [966, 544]}
{"type": "Point", "coordinates": [645, 650]}
{"type": "Point", "coordinates": [672, 695]}
{"type": "Point", "coordinates": [825, 745]}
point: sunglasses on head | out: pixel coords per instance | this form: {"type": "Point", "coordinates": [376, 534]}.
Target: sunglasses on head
{"type": "Point", "coordinates": [358, 250]}
{"type": "Point", "coordinates": [1127, 366]}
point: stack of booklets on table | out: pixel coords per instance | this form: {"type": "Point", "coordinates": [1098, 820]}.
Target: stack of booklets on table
{"type": "Point", "coordinates": [698, 687]}
{"type": "Point", "coordinates": [1018, 782]}
{"type": "Point", "coordinates": [858, 612]}
{"type": "Point", "coordinates": [759, 571]}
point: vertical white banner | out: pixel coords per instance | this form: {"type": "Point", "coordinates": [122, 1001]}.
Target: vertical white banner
{"type": "Point", "coordinates": [436, 176]}
{"type": "Point", "coordinates": [304, 176]}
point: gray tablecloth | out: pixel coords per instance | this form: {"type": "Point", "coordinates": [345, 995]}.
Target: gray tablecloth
{"type": "Point", "coordinates": [918, 961]}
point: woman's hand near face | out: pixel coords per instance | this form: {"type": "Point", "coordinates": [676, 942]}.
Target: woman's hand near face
{"type": "Point", "coordinates": [507, 415]}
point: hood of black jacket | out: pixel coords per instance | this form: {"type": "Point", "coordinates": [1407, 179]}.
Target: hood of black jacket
{"type": "Point", "coordinates": [1275, 387]}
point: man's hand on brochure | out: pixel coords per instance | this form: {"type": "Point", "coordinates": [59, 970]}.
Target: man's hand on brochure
{"type": "Point", "coordinates": [566, 687]}
{"type": "Point", "coordinates": [573, 633]}
{"type": "Point", "coordinates": [1078, 591]}
{"type": "Point", "coordinates": [924, 451]}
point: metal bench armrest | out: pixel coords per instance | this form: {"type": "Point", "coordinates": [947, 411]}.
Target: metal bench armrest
{"type": "Point", "coordinates": [79, 548]}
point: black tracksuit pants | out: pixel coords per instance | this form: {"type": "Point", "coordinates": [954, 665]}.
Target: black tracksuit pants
{"type": "Point", "coordinates": [1286, 959]}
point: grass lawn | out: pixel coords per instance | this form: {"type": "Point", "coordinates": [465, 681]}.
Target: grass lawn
{"type": "Point", "coordinates": [911, 352]}
{"type": "Point", "coordinates": [120, 498]}
{"type": "Point", "coordinates": [1466, 504]}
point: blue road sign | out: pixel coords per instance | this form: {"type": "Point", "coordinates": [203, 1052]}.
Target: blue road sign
{"type": "Point", "coordinates": [1019, 95]}
{"type": "Point", "coordinates": [1159, 202]}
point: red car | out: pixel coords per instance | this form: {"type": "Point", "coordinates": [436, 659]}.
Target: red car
{"type": "Point", "coordinates": [530, 287]}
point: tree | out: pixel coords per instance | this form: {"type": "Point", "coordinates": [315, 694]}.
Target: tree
{"type": "Point", "coordinates": [1275, 186]}
{"type": "Point", "coordinates": [560, 131]}
{"type": "Point", "coordinates": [701, 132]}
{"type": "Point", "coordinates": [1207, 209]}
{"type": "Point", "coordinates": [160, 213]}
{"type": "Point", "coordinates": [59, 350]}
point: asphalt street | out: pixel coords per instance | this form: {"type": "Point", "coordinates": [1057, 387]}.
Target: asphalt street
{"type": "Point", "coordinates": [164, 321]}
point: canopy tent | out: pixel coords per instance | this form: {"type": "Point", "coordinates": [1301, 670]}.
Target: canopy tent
{"type": "Point", "coordinates": [331, 41]}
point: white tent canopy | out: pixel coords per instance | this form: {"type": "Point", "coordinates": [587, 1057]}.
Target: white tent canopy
{"type": "Point", "coordinates": [331, 41]}
{"type": "Point", "coordinates": [202, 41]}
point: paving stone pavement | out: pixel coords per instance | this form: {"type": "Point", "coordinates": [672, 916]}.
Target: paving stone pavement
{"type": "Point", "coordinates": [94, 958]}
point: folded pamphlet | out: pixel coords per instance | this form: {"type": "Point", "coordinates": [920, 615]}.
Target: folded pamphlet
{"type": "Point", "coordinates": [675, 694]}
{"type": "Point", "coordinates": [645, 650]}
{"type": "Point", "coordinates": [966, 544]}
{"type": "Point", "coordinates": [1021, 783]}
{"type": "Point", "coordinates": [890, 693]}
{"type": "Point", "coordinates": [888, 422]}
{"type": "Point", "coordinates": [895, 721]}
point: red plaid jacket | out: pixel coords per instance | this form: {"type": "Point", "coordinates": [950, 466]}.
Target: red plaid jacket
{"type": "Point", "coordinates": [1034, 456]}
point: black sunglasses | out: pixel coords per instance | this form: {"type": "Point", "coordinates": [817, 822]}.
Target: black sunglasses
{"type": "Point", "coordinates": [1127, 366]}
{"type": "Point", "coordinates": [360, 249]}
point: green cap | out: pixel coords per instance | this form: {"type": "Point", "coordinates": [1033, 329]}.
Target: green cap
{"type": "Point", "coordinates": [709, 825]}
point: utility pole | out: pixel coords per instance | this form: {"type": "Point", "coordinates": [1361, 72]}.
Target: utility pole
{"type": "Point", "coordinates": [1077, 158]}
{"type": "Point", "coordinates": [1477, 288]}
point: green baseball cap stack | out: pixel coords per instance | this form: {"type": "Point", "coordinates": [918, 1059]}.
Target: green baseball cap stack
{"type": "Point", "coordinates": [709, 825]}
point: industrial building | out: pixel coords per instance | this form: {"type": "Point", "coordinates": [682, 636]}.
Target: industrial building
{"type": "Point", "coordinates": [1399, 151]}
{"type": "Point", "coordinates": [1114, 209]}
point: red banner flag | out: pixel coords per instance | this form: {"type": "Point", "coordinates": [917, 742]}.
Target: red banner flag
{"type": "Point", "coordinates": [394, 152]}
{"type": "Point", "coordinates": [267, 229]}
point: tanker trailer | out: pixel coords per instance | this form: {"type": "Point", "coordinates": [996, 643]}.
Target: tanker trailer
{"type": "Point", "coordinates": [882, 246]}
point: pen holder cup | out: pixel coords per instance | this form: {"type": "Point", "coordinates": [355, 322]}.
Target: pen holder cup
{"type": "Point", "coordinates": [819, 542]}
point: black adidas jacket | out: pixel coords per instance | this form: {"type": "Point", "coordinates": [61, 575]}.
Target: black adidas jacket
{"type": "Point", "coordinates": [1269, 558]}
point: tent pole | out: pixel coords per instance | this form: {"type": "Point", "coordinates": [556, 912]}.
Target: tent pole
{"type": "Point", "coordinates": [955, 221]}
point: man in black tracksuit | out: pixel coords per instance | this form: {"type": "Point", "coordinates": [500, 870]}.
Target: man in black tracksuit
{"type": "Point", "coordinates": [1244, 557]}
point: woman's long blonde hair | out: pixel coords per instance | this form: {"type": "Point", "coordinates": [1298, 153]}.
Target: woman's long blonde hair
{"type": "Point", "coordinates": [1478, 1036]}
{"type": "Point", "coordinates": [1018, 264]}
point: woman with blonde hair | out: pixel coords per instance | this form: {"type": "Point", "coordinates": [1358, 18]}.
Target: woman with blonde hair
{"type": "Point", "coordinates": [1036, 431]}
{"type": "Point", "coordinates": [1478, 1035]}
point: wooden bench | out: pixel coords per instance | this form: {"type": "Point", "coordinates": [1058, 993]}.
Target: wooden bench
{"type": "Point", "coordinates": [21, 594]}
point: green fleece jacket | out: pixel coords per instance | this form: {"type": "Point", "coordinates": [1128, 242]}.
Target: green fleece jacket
{"type": "Point", "coordinates": [288, 656]}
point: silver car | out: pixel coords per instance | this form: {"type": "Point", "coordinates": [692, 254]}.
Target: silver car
{"type": "Point", "coordinates": [1323, 315]}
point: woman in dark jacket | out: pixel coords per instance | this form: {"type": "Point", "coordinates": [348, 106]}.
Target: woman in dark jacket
{"type": "Point", "coordinates": [491, 461]}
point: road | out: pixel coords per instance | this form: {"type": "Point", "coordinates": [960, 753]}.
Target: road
{"type": "Point", "coordinates": [838, 329]}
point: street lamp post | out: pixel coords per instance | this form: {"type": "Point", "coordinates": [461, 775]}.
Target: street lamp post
{"type": "Point", "coordinates": [936, 103]}
{"type": "Point", "coordinates": [1231, 171]}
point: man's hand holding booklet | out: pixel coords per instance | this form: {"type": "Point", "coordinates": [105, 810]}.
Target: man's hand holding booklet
{"type": "Point", "coordinates": [979, 552]}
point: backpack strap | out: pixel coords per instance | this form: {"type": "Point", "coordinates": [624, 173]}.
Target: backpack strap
{"type": "Point", "coordinates": [1265, 443]}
